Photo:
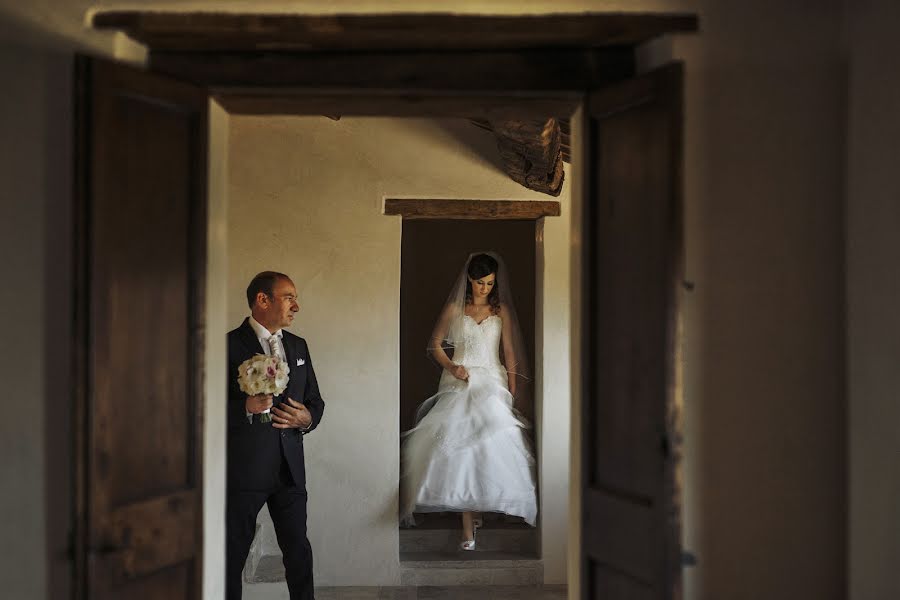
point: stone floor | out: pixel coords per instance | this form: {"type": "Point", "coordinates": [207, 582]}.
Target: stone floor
{"type": "Point", "coordinates": [278, 591]}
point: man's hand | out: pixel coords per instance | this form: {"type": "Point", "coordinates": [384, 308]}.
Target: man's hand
{"type": "Point", "coordinates": [259, 403]}
{"type": "Point", "coordinates": [291, 415]}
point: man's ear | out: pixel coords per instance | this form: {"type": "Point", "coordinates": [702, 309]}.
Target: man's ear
{"type": "Point", "coordinates": [261, 298]}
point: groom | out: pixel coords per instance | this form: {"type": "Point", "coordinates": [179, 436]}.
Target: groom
{"type": "Point", "coordinates": [265, 458]}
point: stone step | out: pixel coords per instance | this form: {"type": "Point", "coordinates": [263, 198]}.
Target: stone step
{"type": "Point", "coordinates": [269, 569]}
{"type": "Point", "coordinates": [278, 591]}
{"type": "Point", "coordinates": [517, 541]}
{"type": "Point", "coordinates": [437, 568]}
{"type": "Point", "coordinates": [480, 567]}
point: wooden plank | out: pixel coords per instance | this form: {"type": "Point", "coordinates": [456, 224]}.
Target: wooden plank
{"type": "Point", "coordinates": [141, 242]}
{"type": "Point", "coordinates": [565, 147]}
{"type": "Point", "coordinates": [630, 406]}
{"type": "Point", "coordinates": [468, 106]}
{"type": "Point", "coordinates": [472, 209]}
{"type": "Point", "coordinates": [154, 534]}
{"type": "Point", "coordinates": [531, 153]}
{"type": "Point", "coordinates": [211, 31]}
{"type": "Point", "coordinates": [522, 72]}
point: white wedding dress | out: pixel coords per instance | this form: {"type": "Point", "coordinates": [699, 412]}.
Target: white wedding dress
{"type": "Point", "coordinates": [468, 451]}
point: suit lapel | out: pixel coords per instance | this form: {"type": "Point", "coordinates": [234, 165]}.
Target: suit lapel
{"type": "Point", "coordinates": [248, 337]}
{"type": "Point", "coordinates": [289, 353]}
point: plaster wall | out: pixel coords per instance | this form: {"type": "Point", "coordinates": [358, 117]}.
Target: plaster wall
{"type": "Point", "coordinates": [35, 218]}
{"type": "Point", "coordinates": [873, 297]}
{"type": "Point", "coordinates": [306, 198]}
{"type": "Point", "coordinates": [765, 476]}
{"type": "Point", "coordinates": [214, 431]}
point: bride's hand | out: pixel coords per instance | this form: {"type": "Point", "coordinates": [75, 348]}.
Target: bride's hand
{"type": "Point", "coordinates": [459, 372]}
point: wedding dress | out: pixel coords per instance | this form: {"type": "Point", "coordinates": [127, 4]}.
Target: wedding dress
{"type": "Point", "coordinates": [468, 451]}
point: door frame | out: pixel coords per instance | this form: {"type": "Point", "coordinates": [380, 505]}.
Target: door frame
{"type": "Point", "coordinates": [81, 546]}
{"type": "Point", "coordinates": [486, 210]}
{"type": "Point", "coordinates": [300, 83]}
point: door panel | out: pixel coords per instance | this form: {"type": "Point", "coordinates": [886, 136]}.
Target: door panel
{"type": "Point", "coordinates": [631, 536]}
{"type": "Point", "coordinates": [142, 195]}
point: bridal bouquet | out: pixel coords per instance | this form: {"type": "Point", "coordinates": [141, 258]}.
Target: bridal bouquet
{"type": "Point", "coordinates": [263, 375]}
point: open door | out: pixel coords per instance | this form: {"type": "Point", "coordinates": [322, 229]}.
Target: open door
{"type": "Point", "coordinates": [632, 275]}
{"type": "Point", "coordinates": [141, 190]}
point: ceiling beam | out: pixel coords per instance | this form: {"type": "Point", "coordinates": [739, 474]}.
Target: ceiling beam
{"type": "Point", "coordinates": [471, 209]}
{"type": "Point", "coordinates": [220, 31]}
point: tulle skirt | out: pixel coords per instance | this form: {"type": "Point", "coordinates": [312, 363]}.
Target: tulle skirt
{"type": "Point", "coordinates": [468, 451]}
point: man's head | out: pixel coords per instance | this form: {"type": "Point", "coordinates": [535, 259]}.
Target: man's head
{"type": "Point", "coordinates": [273, 300]}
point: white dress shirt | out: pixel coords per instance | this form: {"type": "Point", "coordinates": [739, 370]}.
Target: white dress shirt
{"type": "Point", "coordinates": [263, 335]}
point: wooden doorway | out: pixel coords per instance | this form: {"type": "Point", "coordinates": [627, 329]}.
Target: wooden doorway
{"type": "Point", "coordinates": [432, 251]}
{"type": "Point", "coordinates": [141, 257]}
{"type": "Point", "coordinates": [449, 66]}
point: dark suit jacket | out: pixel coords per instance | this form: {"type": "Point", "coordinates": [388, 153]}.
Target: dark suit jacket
{"type": "Point", "coordinates": [255, 449]}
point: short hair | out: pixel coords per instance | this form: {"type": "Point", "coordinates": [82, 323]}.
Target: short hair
{"type": "Point", "coordinates": [263, 282]}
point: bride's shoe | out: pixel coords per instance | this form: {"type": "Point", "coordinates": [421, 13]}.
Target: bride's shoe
{"type": "Point", "coordinates": [470, 544]}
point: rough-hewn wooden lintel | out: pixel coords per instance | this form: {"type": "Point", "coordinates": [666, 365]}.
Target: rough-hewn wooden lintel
{"type": "Point", "coordinates": [217, 31]}
{"type": "Point", "coordinates": [525, 210]}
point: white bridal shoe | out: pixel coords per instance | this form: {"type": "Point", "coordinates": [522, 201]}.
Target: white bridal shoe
{"type": "Point", "coordinates": [470, 544]}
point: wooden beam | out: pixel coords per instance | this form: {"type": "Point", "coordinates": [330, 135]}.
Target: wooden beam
{"type": "Point", "coordinates": [527, 210]}
{"type": "Point", "coordinates": [531, 153]}
{"type": "Point", "coordinates": [480, 107]}
{"type": "Point", "coordinates": [524, 73]}
{"type": "Point", "coordinates": [219, 31]}
{"type": "Point", "coordinates": [565, 147]}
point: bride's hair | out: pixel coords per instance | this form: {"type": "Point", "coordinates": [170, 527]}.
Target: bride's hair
{"type": "Point", "coordinates": [480, 266]}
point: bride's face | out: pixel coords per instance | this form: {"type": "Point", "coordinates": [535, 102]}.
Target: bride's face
{"type": "Point", "coordinates": [482, 287]}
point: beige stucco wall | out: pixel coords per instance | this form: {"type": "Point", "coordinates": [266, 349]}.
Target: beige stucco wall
{"type": "Point", "coordinates": [306, 198]}
{"type": "Point", "coordinates": [215, 370]}
{"type": "Point", "coordinates": [764, 388]}
{"type": "Point", "coordinates": [873, 296]}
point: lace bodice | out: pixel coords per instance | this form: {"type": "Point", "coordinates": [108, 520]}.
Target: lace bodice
{"type": "Point", "coordinates": [481, 342]}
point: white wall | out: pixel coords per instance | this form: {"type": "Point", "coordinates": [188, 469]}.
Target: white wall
{"type": "Point", "coordinates": [873, 296]}
{"type": "Point", "coordinates": [35, 167]}
{"type": "Point", "coordinates": [214, 430]}
{"type": "Point", "coordinates": [553, 311]}
{"type": "Point", "coordinates": [306, 199]}
{"type": "Point", "coordinates": [764, 388]}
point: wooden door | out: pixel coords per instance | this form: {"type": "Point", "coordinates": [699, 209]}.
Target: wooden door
{"type": "Point", "coordinates": [141, 189]}
{"type": "Point", "coordinates": [632, 274]}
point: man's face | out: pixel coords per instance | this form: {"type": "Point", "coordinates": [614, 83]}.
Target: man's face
{"type": "Point", "coordinates": [279, 309]}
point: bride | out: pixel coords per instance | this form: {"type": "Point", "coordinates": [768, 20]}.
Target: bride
{"type": "Point", "coordinates": [467, 452]}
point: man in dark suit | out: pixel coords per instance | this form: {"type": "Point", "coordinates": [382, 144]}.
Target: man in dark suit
{"type": "Point", "coordinates": [265, 437]}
